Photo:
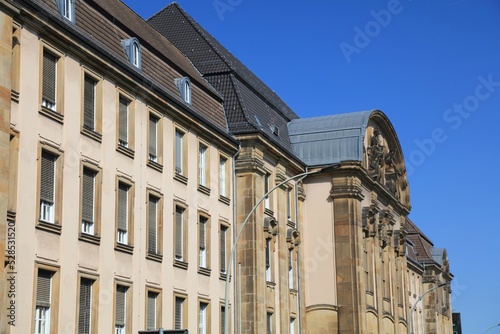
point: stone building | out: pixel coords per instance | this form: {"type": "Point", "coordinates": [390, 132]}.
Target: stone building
{"type": "Point", "coordinates": [132, 154]}
{"type": "Point", "coordinates": [119, 182]}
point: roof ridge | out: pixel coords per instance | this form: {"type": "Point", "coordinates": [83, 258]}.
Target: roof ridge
{"type": "Point", "coordinates": [241, 100]}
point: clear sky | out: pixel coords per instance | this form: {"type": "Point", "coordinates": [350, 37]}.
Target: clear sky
{"type": "Point", "coordinates": [432, 66]}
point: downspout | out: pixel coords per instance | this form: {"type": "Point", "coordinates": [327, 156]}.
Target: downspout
{"type": "Point", "coordinates": [299, 289]}
{"type": "Point", "coordinates": [234, 234]}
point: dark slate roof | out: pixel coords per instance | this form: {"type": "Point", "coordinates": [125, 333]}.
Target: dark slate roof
{"type": "Point", "coordinates": [329, 139]}
{"type": "Point", "coordinates": [250, 105]}
{"type": "Point", "coordinates": [104, 23]}
{"type": "Point", "coordinates": [422, 244]}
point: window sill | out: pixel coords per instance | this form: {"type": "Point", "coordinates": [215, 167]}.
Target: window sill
{"type": "Point", "coordinates": [204, 190]}
{"type": "Point", "coordinates": [90, 238]}
{"type": "Point", "coordinates": [180, 264]}
{"type": "Point", "coordinates": [269, 212]}
{"type": "Point", "coordinates": [14, 96]}
{"type": "Point", "coordinates": [156, 166]}
{"type": "Point", "coordinates": [54, 115]}
{"type": "Point", "coordinates": [223, 276]}
{"type": "Point", "coordinates": [49, 227]}
{"type": "Point", "coordinates": [181, 178]}
{"type": "Point", "coordinates": [224, 200]}
{"type": "Point", "coordinates": [125, 150]}
{"type": "Point", "coordinates": [92, 134]}
{"type": "Point", "coordinates": [290, 223]}
{"type": "Point", "coordinates": [124, 248]}
{"type": "Point", "coordinates": [154, 257]}
{"type": "Point", "coordinates": [11, 215]}
{"type": "Point", "coordinates": [204, 271]}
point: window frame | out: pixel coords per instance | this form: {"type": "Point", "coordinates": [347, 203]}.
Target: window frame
{"type": "Point", "coordinates": [67, 9]}
{"type": "Point", "coordinates": [224, 179]}
{"type": "Point", "coordinates": [203, 167]}
{"type": "Point", "coordinates": [224, 227]}
{"type": "Point", "coordinates": [56, 224]}
{"type": "Point", "coordinates": [158, 162]}
{"type": "Point", "coordinates": [185, 89]}
{"type": "Point", "coordinates": [56, 112]}
{"type": "Point", "coordinates": [184, 310]}
{"type": "Point", "coordinates": [269, 322]}
{"type": "Point", "coordinates": [133, 50]}
{"type": "Point", "coordinates": [128, 304]}
{"type": "Point", "coordinates": [158, 255]}
{"type": "Point", "coordinates": [129, 245]}
{"type": "Point", "coordinates": [204, 268]}
{"type": "Point", "coordinates": [16, 62]}
{"type": "Point", "coordinates": [95, 236]}
{"type": "Point", "coordinates": [207, 315]}
{"type": "Point", "coordinates": [53, 295]}
{"type": "Point", "coordinates": [180, 162]}
{"type": "Point", "coordinates": [158, 307]}
{"type": "Point", "coordinates": [125, 146]}
{"type": "Point", "coordinates": [96, 131]}
{"type": "Point", "coordinates": [94, 304]}
{"type": "Point", "coordinates": [181, 261]}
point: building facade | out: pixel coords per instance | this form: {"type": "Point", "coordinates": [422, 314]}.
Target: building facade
{"type": "Point", "coordinates": [133, 154]}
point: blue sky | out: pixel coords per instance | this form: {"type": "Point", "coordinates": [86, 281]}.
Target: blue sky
{"type": "Point", "coordinates": [432, 66]}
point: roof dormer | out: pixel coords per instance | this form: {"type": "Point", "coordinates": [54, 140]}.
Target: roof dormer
{"type": "Point", "coordinates": [133, 50]}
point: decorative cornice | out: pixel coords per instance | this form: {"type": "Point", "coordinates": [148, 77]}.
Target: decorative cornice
{"type": "Point", "coordinates": [346, 186]}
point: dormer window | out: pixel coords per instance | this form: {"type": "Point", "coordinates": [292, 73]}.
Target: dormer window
{"type": "Point", "coordinates": [67, 9]}
{"type": "Point", "coordinates": [133, 50]}
{"type": "Point", "coordinates": [184, 86]}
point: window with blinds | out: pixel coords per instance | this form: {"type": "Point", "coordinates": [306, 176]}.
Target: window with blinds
{"type": "Point", "coordinates": [49, 80]}
{"type": "Point", "coordinates": [202, 165]}
{"type": "Point", "coordinates": [179, 312]}
{"type": "Point", "coordinates": [123, 213]}
{"type": "Point", "coordinates": [47, 186]}
{"type": "Point", "coordinates": [222, 319]}
{"type": "Point", "coordinates": [43, 300]}
{"type": "Point", "coordinates": [123, 121]}
{"type": "Point", "coordinates": [151, 312]}
{"type": "Point", "coordinates": [121, 309]}
{"type": "Point", "coordinates": [85, 306]}
{"type": "Point", "coordinates": [179, 138]}
{"type": "Point", "coordinates": [153, 138]}
{"type": "Point", "coordinates": [88, 200]}
{"type": "Point", "coordinates": [222, 249]}
{"type": "Point", "coordinates": [203, 242]}
{"type": "Point", "coordinates": [153, 244]}
{"type": "Point", "coordinates": [89, 102]}
{"type": "Point", "coordinates": [179, 233]}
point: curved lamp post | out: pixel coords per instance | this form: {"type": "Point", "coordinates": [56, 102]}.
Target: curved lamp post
{"type": "Point", "coordinates": [419, 299]}
{"type": "Point", "coordinates": [491, 328]}
{"type": "Point", "coordinates": [233, 248]}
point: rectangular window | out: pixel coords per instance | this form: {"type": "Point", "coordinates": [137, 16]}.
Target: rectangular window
{"type": "Point", "coordinates": [267, 187]}
{"type": "Point", "coordinates": [153, 138]}
{"type": "Point", "coordinates": [49, 81]}
{"type": "Point", "coordinates": [89, 102]}
{"type": "Point", "coordinates": [268, 260]}
{"type": "Point", "coordinates": [51, 89]}
{"type": "Point", "coordinates": [223, 177]}
{"type": "Point", "coordinates": [124, 214]}
{"type": "Point", "coordinates": [223, 249]}
{"type": "Point", "coordinates": [291, 270]}
{"type": "Point", "coordinates": [123, 122]}
{"type": "Point", "coordinates": [86, 301]}
{"type": "Point", "coordinates": [269, 323]}
{"type": "Point", "coordinates": [203, 240]}
{"type": "Point", "coordinates": [122, 303]}
{"type": "Point", "coordinates": [203, 318]}
{"type": "Point", "coordinates": [88, 200]}
{"type": "Point", "coordinates": [202, 165]}
{"type": "Point", "coordinates": [179, 154]}
{"type": "Point", "coordinates": [47, 285]}
{"type": "Point", "coordinates": [292, 326]}
{"type": "Point", "coordinates": [48, 186]}
{"type": "Point", "coordinates": [179, 312]}
{"type": "Point", "coordinates": [153, 313]}
{"type": "Point", "coordinates": [16, 62]}
{"type": "Point", "coordinates": [222, 319]}
{"type": "Point", "coordinates": [180, 232]}
{"type": "Point", "coordinates": [154, 225]}
{"type": "Point", "coordinates": [289, 204]}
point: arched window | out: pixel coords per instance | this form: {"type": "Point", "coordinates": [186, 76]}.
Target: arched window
{"type": "Point", "coordinates": [133, 50]}
{"type": "Point", "coordinates": [184, 86]}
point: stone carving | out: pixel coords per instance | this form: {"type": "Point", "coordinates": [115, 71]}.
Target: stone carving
{"type": "Point", "coordinates": [385, 228]}
{"type": "Point", "coordinates": [370, 226]}
{"type": "Point", "coordinates": [376, 155]}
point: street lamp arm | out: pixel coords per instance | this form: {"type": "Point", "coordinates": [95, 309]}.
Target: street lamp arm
{"type": "Point", "coordinates": [419, 299]}
{"type": "Point", "coordinates": [491, 328]}
{"type": "Point", "coordinates": [233, 249]}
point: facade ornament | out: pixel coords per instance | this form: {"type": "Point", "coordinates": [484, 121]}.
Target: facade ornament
{"type": "Point", "coordinates": [385, 227]}
{"type": "Point", "coordinates": [370, 226]}
{"type": "Point", "coordinates": [292, 238]}
{"type": "Point", "coordinates": [376, 156]}
{"type": "Point", "coordinates": [271, 227]}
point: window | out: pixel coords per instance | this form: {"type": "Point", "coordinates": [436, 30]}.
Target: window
{"type": "Point", "coordinates": [153, 310]}
{"type": "Point", "coordinates": [180, 234]}
{"type": "Point", "coordinates": [50, 191]}
{"type": "Point", "coordinates": [223, 249]}
{"type": "Point", "coordinates": [45, 305]}
{"type": "Point", "coordinates": [269, 323]}
{"type": "Point", "coordinates": [133, 51]}
{"type": "Point", "coordinates": [122, 306]}
{"type": "Point", "coordinates": [203, 241]}
{"type": "Point", "coordinates": [223, 179]}
{"type": "Point", "coordinates": [203, 318]}
{"type": "Point", "coordinates": [291, 270]}
{"type": "Point", "coordinates": [184, 86]}
{"type": "Point", "coordinates": [90, 194]}
{"type": "Point", "coordinates": [203, 165]}
{"type": "Point", "coordinates": [267, 187]}
{"type": "Point", "coordinates": [155, 230]}
{"type": "Point", "coordinates": [180, 313]}
{"type": "Point", "coordinates": [124, 215]}
{"type": "Point", "coordinates": [268, 260]}
{"type": "Point", "coordinates": [91, 106]}
{"type": "Point", "coordinates": [16, 62]}
{"type": "Point", "coordinates": [87, 310]}
{"type": "Point", "coordinates": [180, 161]}
{"type": "Point", "coordinates": [67, 9]}
{"type": "Point", "coordinates": [124, 121]}
{"type": "Point", "coordinates": [292, 326]}
{"type": "Point", "coordinates": [51, 86]}
{"type": "Point", "coordinates": [289, 206]}
{"type": "Point", "coordinates": [153, 138]}
{"type": "Point", "coordinates": [222, 318]}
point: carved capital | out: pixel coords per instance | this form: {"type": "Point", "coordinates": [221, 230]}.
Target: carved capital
{"type": "Point", "coordinates": [346, 186]}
